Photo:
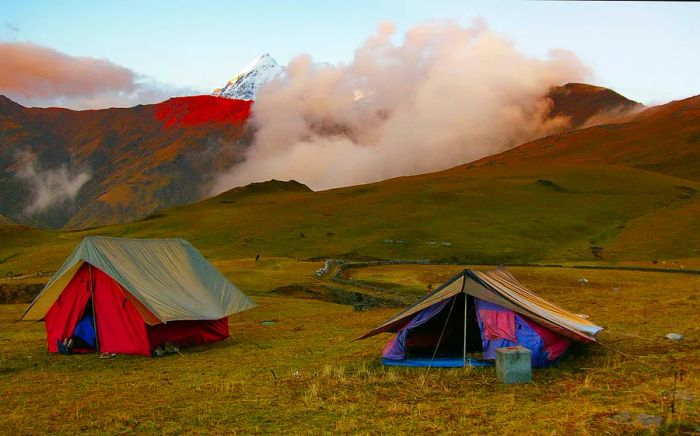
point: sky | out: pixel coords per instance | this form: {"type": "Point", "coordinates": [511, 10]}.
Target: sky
{"type": "Point", "coordinates": [647, 51]}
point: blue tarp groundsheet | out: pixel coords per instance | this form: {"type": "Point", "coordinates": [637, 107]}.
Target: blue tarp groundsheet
{"type": "Point", "coordinates": [438, 362]}
{"type": "Point", "coordinates": [85, 330]}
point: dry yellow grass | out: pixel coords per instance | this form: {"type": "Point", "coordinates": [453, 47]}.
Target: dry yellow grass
{"type": "Point", "coordinates": [302, 375]}
{"type": "Point", "coordinates": [267, 274]}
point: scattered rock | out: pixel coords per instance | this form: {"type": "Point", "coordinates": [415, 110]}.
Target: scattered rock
{"type": "Point", "coordinates": [325, 269]}
{"type": "Point", "coordinates": [447, 244]}
{"type": "Point", "coordinates": [597, 251]}
{"type": "Point", "coordinates": [551, 184]}
{"type": "Point", "coordinates": [674, 337]}
{"type": "Point", "coordinates": [640, 419]}
{"type": "Point", "coordinates": [649, 420]}
{"type": "Point", "coordinates": [268, 322]}
{"type": "Point", "coordinates": [164, 350]}
{"type": "Point", "coordinates": [679, 395]}
{"type": "Point", "coordinates": [623, 418]}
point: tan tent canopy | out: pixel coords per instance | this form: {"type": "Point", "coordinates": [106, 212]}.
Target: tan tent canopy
{"type": "Point", "coordinates": [498, 287]}
{"type": "Point", "coordinates": [169, 277]}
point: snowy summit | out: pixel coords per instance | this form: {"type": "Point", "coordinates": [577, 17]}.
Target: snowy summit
{"type": "Point", "coordinates": [245, 85]}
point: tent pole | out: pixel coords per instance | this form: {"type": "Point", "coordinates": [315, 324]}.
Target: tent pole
{"type": "Point", "coordinates": [425, 377]}
{"type": "Point", "coordinates": [94, 314]}
{"type": "Point", "coordinates": [464, 349]}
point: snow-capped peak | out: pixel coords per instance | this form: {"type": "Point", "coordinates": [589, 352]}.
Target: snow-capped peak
{"type": "Point", "coordinates": [262, 61]}
{"type": "Point", "coordinates": [245, 85]}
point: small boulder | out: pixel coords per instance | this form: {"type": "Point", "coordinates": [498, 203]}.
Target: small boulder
{"type": "Point", "coordinates": [649, 420]}
{"type": "Point", "coordinates": [640, 419]}
{"type": "Point", "coordinates": [674, 337]}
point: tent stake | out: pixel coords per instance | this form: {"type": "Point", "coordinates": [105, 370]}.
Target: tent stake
{"type": "Point", "coordinates": [464, 349]}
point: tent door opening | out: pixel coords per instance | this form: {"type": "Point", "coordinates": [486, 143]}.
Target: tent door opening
{"type": "Point", "coordinates": [84, 336]}
{"type": "Point", "coordinates": [422, 341]}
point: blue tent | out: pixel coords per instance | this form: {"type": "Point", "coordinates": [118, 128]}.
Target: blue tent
{"type": "Point", "coordinates": [464, 321]}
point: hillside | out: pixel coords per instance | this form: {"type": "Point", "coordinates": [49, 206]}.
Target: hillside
{"type": "Point", "coordinates": [553, 200]}
{"type": "Point", "coordinates": [663, 139]}
{"type": "Point", "coordinates": [136, 160]}
{"type": "Point", "coordinates": [586, 104]}
{"type": "Point", "coordinates": [77, 169]}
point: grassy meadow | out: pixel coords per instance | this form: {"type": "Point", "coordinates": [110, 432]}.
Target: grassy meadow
{"type": "Point", "coordinates": [303, 375]}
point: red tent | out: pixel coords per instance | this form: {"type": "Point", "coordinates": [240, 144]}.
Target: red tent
{"type": "Point", "coordinates": [141, 293]}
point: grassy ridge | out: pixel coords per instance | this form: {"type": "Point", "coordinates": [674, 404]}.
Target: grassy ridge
{"type": "Point", "coordinates": [491, 214]}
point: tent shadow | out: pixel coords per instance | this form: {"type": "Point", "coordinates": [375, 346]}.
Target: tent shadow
{"type": "Point", "coordinates": [220, 345]}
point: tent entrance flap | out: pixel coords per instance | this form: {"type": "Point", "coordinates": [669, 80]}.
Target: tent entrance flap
{"type": "Point", "coordinates": [85, 334]}
{"type": "Point", "coordinates": [419, 339]}
{"type": "Point", "coordinates": [69, 309]}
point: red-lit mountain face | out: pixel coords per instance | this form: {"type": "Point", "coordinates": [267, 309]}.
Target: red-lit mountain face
{"type": "Point", "coordinates": [137, 159]}
{"type": "Point", "coordinates": [202, 109]}
{"type": "Point", "coordinates": [75, 169]}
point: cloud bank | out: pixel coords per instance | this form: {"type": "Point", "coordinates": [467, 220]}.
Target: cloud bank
{"type": "Point", "coordinates": [39, 76]}
{"type": "Point", "coordinates": [445, 95]}
{"type": "Point", "coordinates": [49, 187]}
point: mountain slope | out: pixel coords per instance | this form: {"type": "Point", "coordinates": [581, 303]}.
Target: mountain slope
{"type": "Point", "coordinates": [664, 139]}
{"type": "Point", "coordinates": [584, 104]}
{"type": "Point", "coordinates": [136, 159]}
{"type": "Point", "coordinates": [75, 169]}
